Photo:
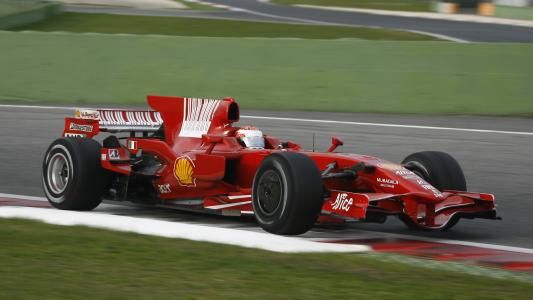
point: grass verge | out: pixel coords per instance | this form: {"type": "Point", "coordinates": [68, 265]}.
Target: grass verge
{"type": "Point", "coordinates": [8, 7]}
{"type": "Point", "coordinates": [512, 12]}
{"type": "Point", "coordinates": [403, 5]}
{"type": "Point", "coordinates": [283, 74]}
{"type": "Point", "coordinates": [41, 261]}
{"type": "Point", "coordinates": [105, 23]}
{"type": "Point", "coordinates": [18, 13]}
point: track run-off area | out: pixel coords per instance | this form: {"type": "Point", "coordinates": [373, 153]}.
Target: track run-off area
{"type": "Point", "coordinates": [494, 153]}
{"type": "Point", "coordinates": [457, 28]}
{"type": "Point", "coordinates": [460, 31]}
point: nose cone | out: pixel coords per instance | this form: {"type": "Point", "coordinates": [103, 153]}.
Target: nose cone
{"type": "Point", "coordinates": [394, 178]}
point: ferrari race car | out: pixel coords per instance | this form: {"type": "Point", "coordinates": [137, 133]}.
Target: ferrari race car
{"type": "Point", "coordinates": [188, 154]}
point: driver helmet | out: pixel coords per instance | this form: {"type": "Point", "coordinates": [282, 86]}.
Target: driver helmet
{"type": "Point", "coordinates": [250, 137]}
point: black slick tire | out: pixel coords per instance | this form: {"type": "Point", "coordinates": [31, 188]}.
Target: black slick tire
{"type": "Point", "coordinates": [72, 176]}
{"type": "Point", "coordinates": [287, 193]}
{"type": "Point", "coordinates": [438, 168]}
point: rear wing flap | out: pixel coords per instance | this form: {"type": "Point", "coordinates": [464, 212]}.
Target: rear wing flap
{"type": "Point", "coordinates": [88, 122]}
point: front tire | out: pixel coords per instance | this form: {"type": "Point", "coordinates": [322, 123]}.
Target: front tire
{"type": "Point", "coordinates": [287, 193]}
{"type": "Point", "coordinates": [440, 169]}
{"type": "Point", "coordinates": [73, 178]}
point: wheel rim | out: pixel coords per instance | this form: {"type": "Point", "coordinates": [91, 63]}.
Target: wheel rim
{"type": "Point", "coordinates": [58, 173]}
{"type": "Point", "coordinates": [270, 193]}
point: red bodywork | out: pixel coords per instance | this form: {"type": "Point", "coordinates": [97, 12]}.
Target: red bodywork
{"type": "Point", "coordinates": [203, 166]}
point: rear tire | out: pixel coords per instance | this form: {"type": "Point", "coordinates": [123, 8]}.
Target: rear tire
{"type": "Point", "coordinates": [73, 178]}
{"type": "Point", "coordinates": [438, 168]}
{"type": "Point", "coordinates": [287, 193]}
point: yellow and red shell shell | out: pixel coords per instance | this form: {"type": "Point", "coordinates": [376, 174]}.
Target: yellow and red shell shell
{"type": "Point", "coordinates": [184, 171]}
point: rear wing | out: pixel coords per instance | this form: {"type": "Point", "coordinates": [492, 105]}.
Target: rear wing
{"type": "Point", "coordinates": [88, 122]}
{"type": "Point", "coordinates": [183, 117]}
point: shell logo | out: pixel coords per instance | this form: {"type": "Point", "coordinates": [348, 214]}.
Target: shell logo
{"type": "Point", "coordinates": [183, 170]}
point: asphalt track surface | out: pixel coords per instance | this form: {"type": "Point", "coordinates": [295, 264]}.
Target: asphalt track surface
{"type": "Point", "coordinates": [495, 162]}
{"type": "Point", "coordinates": [264, 11]}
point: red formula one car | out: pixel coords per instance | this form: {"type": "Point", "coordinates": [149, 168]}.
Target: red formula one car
{"type": "Point", "coordinates": [187, 154]}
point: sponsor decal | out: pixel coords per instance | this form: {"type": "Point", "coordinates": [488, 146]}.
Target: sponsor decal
{"type": "Point", "coordinates": [78, 127]}
{"type": "Point", "coordinates": [113, 154]}
{"type": "Point", "coordinates": [342, 202]}
{"type": "Point", "coordinates": [164, 188]}
{"type": "Point", "coordinates": [183, 171]}
{"type": "Point", "coordinates": [103, 157]}
{"type": "Point", "coordinates": [406, 174]}
{"type": "Point", "coordinates": [87, 114]}
{"type": "Point", "coordinates": [386, 182]}
{"type": "Point", "coordinates": [409, 175]}
{"type": "Point", "coordinates": [390, 166]}
{"type": "Point", "coordinates": [79, 135]}
{"type": "Point", "coordinates": [197, 116]}
{"type": "Point", "coordinates": [430, 188]}
{"type": "Point", "coordinates": [132, 145]}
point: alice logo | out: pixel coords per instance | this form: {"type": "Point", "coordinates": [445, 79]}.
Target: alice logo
{"type": "Point", "coordinates": [342, 202]}
{"type": "Point", "coordinates": [183, 170]}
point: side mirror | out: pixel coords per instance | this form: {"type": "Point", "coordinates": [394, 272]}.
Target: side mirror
{"type": "Point", "coordinates": [335, 142]}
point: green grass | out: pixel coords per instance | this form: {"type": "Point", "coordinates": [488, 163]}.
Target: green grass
{"type": "Point", "coordinates": [511, 12]}
{"type": "Point", "coordinates": [403, 5]}
{"type": "Point", "coordinates": [319, 75]}
{"type": "Point", "coordinates": [41, 261]}
{"type": "Point", "coordinates": [104, 23]}
{"type": "Point", "coordinates": [8, 7]}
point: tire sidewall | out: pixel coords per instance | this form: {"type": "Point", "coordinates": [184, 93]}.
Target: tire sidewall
{"type": "Point", "coordinates": [87, 179]}
{"type": "Point", "coordinates": [281, 211]}
{"type": "Point", "coordinates": [438, 168]}
{"type": "Point", "coordinates": [302, 193]}
{"type": "Point", "coordinates": [65, 149]}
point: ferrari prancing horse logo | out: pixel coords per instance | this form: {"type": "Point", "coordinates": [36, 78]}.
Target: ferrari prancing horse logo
{"type": "Point", "coordinates": [183, 170]}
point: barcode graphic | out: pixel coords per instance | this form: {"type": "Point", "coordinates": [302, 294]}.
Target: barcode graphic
{"type": "Point", "coordinates": [197, 116]}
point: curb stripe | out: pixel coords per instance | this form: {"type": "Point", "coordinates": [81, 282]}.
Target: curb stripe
{"type": "Point", "coordinates": [395, 235]}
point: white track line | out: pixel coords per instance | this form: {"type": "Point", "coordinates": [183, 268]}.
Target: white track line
{"type": "Point", "coordinates": [428, 15]}
{"type": "Point", "coordinates": [437, 35]}
{"type": "Point", "coordinates": [391, 125]}
{"type": "Point", "coordinates": [313, 22]}
{"type": "Point", "coordinates": [22, 197]}
{"type": "Point", "coordinates": [315, 121]}
{"type": "Point", "coordinates": [41, 107]}
{"type": "Point", "coordinates": [404, 236]}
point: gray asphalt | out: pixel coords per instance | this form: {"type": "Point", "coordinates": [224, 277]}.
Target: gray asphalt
{"type": "Point", "coordinates": [469, 31]}
{"type": "Point", "coordinates": [261, 11]}
{"type": "Point", "coordinates": [219, 14]}
{"type": "Point", "coordinates": [493, 162]}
